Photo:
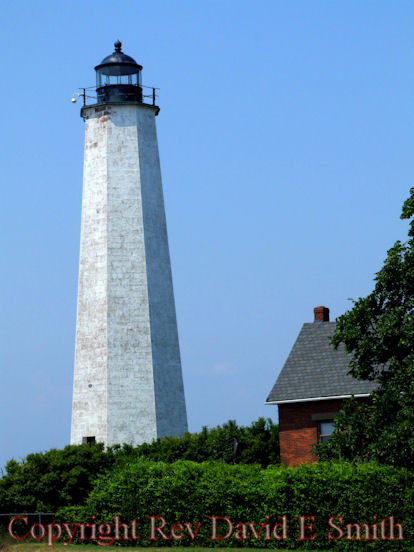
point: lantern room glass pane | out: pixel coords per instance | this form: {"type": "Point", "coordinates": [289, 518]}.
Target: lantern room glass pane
{"type": "Point", "coordinates": [116, 76]}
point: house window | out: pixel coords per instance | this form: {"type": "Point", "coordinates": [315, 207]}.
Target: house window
{"type": "Point", "coordinates": [325, 430]}
{"type": "Point", "coordinates": [88, 439]}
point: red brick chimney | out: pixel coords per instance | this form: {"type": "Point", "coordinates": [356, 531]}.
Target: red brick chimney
{"type": "Point", "coordinates": [321, 314]}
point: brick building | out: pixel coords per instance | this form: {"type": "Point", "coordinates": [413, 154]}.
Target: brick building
{"type": "Point", "coordinates": [311, 388]}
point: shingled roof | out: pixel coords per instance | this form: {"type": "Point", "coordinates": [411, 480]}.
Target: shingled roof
{"type": "Point", "coordinates": [315, 370]}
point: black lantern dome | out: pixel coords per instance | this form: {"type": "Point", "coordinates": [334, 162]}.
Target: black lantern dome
{"type": "Point", "coordinates": [118, 78]}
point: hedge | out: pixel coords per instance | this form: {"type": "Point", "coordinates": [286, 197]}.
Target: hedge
{"type": "Point", "coordinates": [194, 492]}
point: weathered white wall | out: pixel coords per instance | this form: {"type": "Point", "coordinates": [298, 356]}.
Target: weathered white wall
{"type": "Point", "coordinates": [127, 343]}
{"type": "Point", "coordinates": [168, 383]}
{"type": "Point", "coordinates": [90, 375]}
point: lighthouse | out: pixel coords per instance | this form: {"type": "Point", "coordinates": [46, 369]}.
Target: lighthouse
{"type": "Point", "coordinates": [128, 385]}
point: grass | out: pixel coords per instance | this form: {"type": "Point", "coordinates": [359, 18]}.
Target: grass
{"type": "Point", "coordinates": [39, 547]}
{"type": "Point", "coordinates": [8, 545]}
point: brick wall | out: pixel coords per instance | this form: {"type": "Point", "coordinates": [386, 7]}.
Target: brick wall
{"type": "Point", "coordinates": [298, 432]}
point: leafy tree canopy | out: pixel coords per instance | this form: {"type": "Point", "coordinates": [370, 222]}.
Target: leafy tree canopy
{"type": "Point", "coordinates": [379, 333]}
{"type": "Point", "coordinates": [56, 478]}
{"type": "Point", "coordinates": [44, 481]}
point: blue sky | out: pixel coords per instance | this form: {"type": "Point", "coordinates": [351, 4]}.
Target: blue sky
{"type": "Point", "coordinates": [286, 145]}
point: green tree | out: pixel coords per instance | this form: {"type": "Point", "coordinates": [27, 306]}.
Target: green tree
{"type": "Point", "coordinates": [229, 443]}
{"type": "Point", "coordinates": [46, 481]}
{"type": "Point", "coordinates": [379, 333]}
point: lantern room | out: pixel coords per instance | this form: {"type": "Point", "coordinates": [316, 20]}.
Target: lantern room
{"type": "Point", "coordinates": [118, 78]}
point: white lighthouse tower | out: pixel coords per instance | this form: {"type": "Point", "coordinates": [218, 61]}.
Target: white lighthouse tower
{"type": "Point", "coordinates": [128, 385]}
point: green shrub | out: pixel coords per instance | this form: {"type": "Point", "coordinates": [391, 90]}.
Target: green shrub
{"type": "Point", "coordinates": [192, 492]}
{"type": "Point", "coordinates": [50, 480]}
{"type": "Point", "coordinates": [43, 482]}
{"type": "Point", "coordinates": [233, 444]}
